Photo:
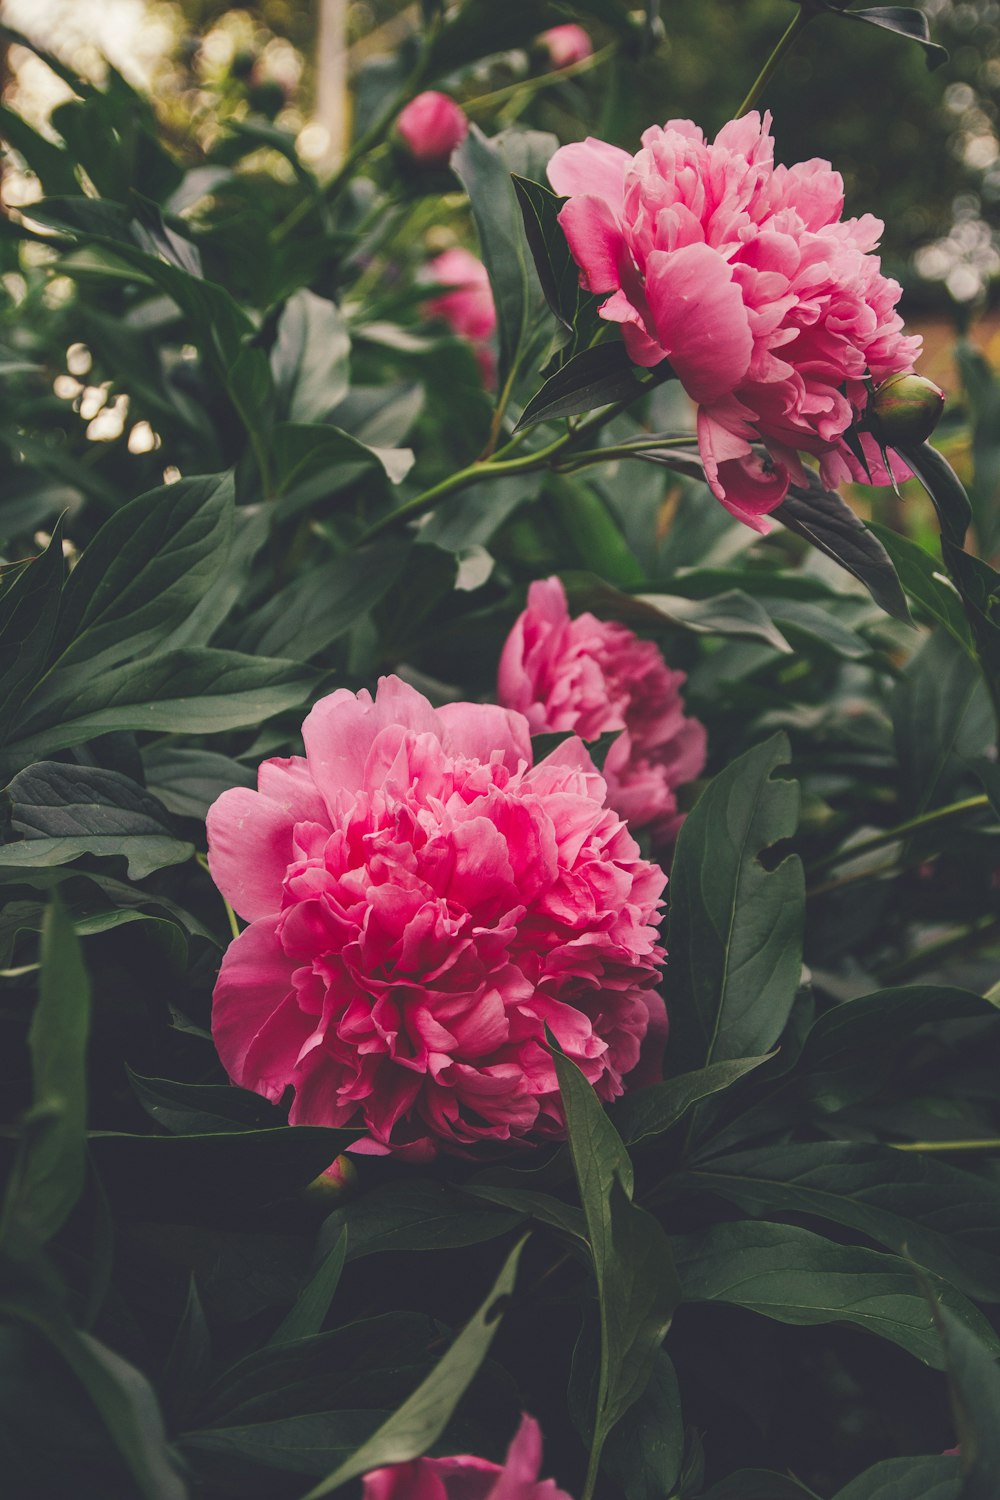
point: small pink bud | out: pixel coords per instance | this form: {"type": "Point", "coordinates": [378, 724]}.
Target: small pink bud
{"type": "Point", "coordinates": [905, 409]}
{"type": "Point", "coordinates": [566, 45]}
{"type": "Point", "coordinates": [430, 127]}
{"type": "Point", "coordinates": [336, 1182]}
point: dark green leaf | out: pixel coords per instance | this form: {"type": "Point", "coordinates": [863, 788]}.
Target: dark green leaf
{"type": "Point", "coordinates": [28, 610]}
{"type": "Point", "coordinates": [315, 461]}
{"type": "Point", "coordinates": [320, 606]}
{"type": "Point", "coordinates": [758, 1484]}
{"type": "Point", "coordinates": [123, 1397]}
{"type": "Point", "coordinates": [51, 1164]}
{"type": "Point", "coordinates": [645, 1113]}
{"type": "Point", "coordinates": [192, 690]}
{"type": "Point", "coordinates": [796, 1277]}
{"type": "Point", "coordinates": [530, 1203]}
{"type": "Point", "coordinates": [143, 573]}
{"type": "Point", "coordinates": [644, 1454]}
{"type": "Point", "coordinates": [601, 376]}
{"type": "Point", "coordinates": [309, 1312]}
{"type": "Point", "coordinates": [945, 489]}
{"type": "Point", "coordinates": [309, 360]}
{"type": "Point", "coordinates": [189, 1362]}
{"type": "Point", "coordinates": [558, 272]}
{"type": "Point", "coordinates": [735, 927]}
{"type": "Point", "coordinates": [413, 1215]}
{"type": "Point", "coordinates": [308, 1444]}
{"type": "Point", "coordinates": [187, 782]}
{"type": "Point", "coordinates": [971, 1362]}
{"type": "Point", "coordinates": [422, 1418]}
{"type": "Point", "coordinates": [59, 812]}
{"type": "Point", "coordinates": [941, 718]}
{"type": "Point", "coordinates": [50, 163]}
{"type": "Point", "coordinates": [637, 1286]}
{"type": "Point", "coordinates": [923, 578]}
{"type": "Point", "coordinates": [826, 520]}
{"type": "Point", "coordinates": [730, 614]}
{"type": "Point", "coordinates": [484, 174]}
{"type": "Point", "coordinates": [904, 21]}
{"type": "Point", "coordinates": [943, 1218]}
{"type": "Point", "coordinates": [203, 1108]}
{"type": "Point", "coordinates": [927, 1478]}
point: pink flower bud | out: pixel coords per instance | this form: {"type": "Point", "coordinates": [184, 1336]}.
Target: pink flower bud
{"type": "Point", "coordinates": [337, 1181]}
{"type": "Point", "coordinates": [430, 127]}
{"type": "Point", "coordinates": [566, 45]}
{"type": "Point", "coordinates": [905, 409]}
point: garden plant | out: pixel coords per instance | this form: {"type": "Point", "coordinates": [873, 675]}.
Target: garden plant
{"type": "Point", "coordinates": [500, 829]}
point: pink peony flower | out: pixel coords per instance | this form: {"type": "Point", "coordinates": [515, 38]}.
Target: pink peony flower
{"type": "Point", "coordinates": [589, 676]}
{"type": "Point", "coordinates": [430, 127]}
{"type": "Point", "coordinates": [469, 310]}
{"type": "Point", "coordinates": [422, 902]}
{"type": "Point", "coordinates": [467, 1478]}
{"type": "Point", "coordinates": [770, 309]}
{"type": "Point", "coordinates": [566, 44]}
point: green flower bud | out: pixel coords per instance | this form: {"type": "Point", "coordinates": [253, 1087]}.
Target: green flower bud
{"type": "Point", "coordinates": [339, 1179]}
{"type": "Point", "coordinates": [904, 410]}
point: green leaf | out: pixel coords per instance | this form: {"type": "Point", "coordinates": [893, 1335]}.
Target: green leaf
{"type": "Point", "coordinates": [314, 462]}
{"type": "Point", "coordinates": [758, 1484]}
{"type": "Point", "coordinates": [793, 1276]}
{"type": "Point", "coordinates": [904, 21]}
{"type": "Point", "coordinates": [478, 28]}
{"type": "Point", "coordinates": [188, 1365]}
{"type": "Point", "coordinates": [142, 574]}
{"type": "Point", "coordinates": [213, 1178]}
{"type": "Point", "coordinates": [732, 613]}
{"type": "Point", "coordinates": [974, 1379]}
{"type": "Point", "coordinates": [941, 718]}
{"type": "Point", "coordinates": [413, 1215]}
{"type": "Point", "coordinates": [532, 1204]}
{"type": "Point", "coordinates": [321, 605]}
{"type": "Point", "coordinates": [28, 610]}
{"type": "Point", "coordinates": [922, 577]}
{"type": "Point", "coordinates": [50, 163]}
{"type": "Point", "coordinates": [600, 376]}
{"type": "Point", "coordinates": [938, 1215]}
{"type": "Point", "coordinates": [735, 926]}
{"type": "Point", "coordinates": [645, 1113]}
{"type": "Point", "coordinates": [187, 782]}
{"type": "Point", "coordinates": [309, 360]}
{"type": "Point", "coordinates": [123, 1397]}
{"type": "Point", "coordinates": [59, 812]}
{"type": "Point", "coordinates": [370, 1363]}
{"type": "Point", "coordinates": [422, 1418]}
{"type": "Point", "coordinates": [307, 1444]}
{"type": "Point", "coordinates": [826, 520]}
{"type": "Point", "coordinates": [189, 691]}
{"type": "Point", "coordinates": [480, 166]}
{"type": "Point", "coordinates": [644, 1455]}
{"type": "Point", "coordinates": [309, 1312]}
{"type": "Point", "coordinates": [925, 1478]}
{"type": "Point", "coordinates": [945, 489]}
{"type": "Point", "coordinates": [593, 531]}
{"type": "Point", "coordinates": [637, 1287]}
{"type": "Point", "coordinates": [846, 1053]}
{"type": "Point", "coordinates": [558, 272]}
{"type": "Point", "coordinates": [51, 1164]}
{"type": "Point", "coordinates": [203, 1108]}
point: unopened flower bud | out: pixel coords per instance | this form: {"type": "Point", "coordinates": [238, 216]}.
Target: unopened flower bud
{"type": "Point", "coordinates": [905, 410]}
{"type": "Point", "coordinates": [336, 1182]}
{"type": "Point", "coordinates": [430, 127]}
{"type": "Point", "coordinates": [566, 45]}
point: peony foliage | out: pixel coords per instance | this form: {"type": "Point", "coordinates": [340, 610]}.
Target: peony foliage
{"type": "Point", "coordinates": [499, 949]}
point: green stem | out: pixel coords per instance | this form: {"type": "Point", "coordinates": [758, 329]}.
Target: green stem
{"type": "Point", "coordinates": [582, 458]}
{"type": "Point", "coordinates": [795, 28]}
{"type": "Point", "coordinates": [593, 1465]}
{"type": "Point", "coordinates": [892, 835]}
{"type": "Point", "coordinates": [987, 1145]}
{"type": "Point", "coordinates": [983, 931]}
{"type": "Point", "coordinates": [529, 86]}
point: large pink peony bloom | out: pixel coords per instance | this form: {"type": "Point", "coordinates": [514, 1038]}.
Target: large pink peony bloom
{"type": "Point", "coordinates": [423, 902]}
{"type": "Point", "coordinates": [770, 309]}
{"type": "Point", "coordinates": [430, 127]}
{"type": "Point", "coordinates": [467, 1478]}
{"type": "Point", "coordinates": [590, 676]}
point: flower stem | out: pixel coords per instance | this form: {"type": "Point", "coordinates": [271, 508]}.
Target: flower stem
{"type": "Point", "coordinates": [795, 28]}
{"type": "Point", "coordinates": [987, 1145]}
{"type": "Point", "coordinates": [891, 835]}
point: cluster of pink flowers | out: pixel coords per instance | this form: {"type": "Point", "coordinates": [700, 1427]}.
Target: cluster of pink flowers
{"type": "Point", "coordinates": [772, 311]}
{"type": "Point", "coordinates": [423, 902]}
{"type": "Point", "coordinates": [469, 309]}
{"type": "Point", "coordinates": [467, 1478]}
{"type": "Point", "coordinates": [591, 676]}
